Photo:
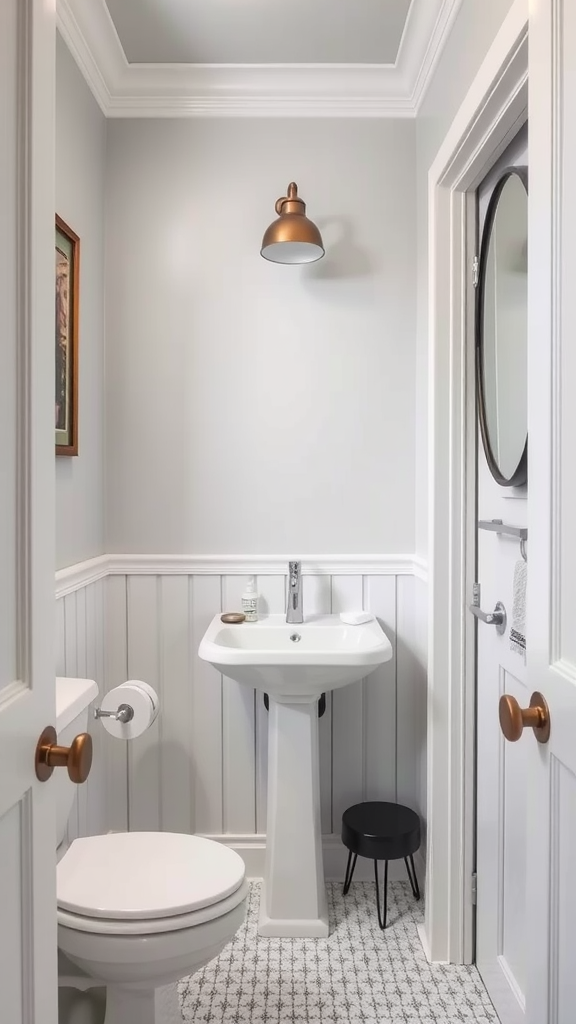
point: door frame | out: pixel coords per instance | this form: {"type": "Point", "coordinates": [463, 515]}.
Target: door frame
{"type": "Point", "coordinates": [494, 109]}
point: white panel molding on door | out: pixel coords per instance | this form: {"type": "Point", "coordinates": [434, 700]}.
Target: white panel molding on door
{"type": "Point", "coordinates": [562, 982]}
{"type": "Point", "coordinates": [501, 836]}
{"type": "Point", "coordinates": [28, 950]}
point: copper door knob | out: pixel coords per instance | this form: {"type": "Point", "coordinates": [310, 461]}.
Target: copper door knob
{"type": "Point", "coordinates": [77, 758]}
{"type": "Point", "coordinates": [514, 719]}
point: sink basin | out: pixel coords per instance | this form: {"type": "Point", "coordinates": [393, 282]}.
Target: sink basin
{"type": "Point", "coordinates": [295, 660]}
{"type": "Point", "coordinates": [294, 664]}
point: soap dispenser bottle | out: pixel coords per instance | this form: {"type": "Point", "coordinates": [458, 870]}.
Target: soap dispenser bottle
{"type": "Point", "coordinates": [250, 600]}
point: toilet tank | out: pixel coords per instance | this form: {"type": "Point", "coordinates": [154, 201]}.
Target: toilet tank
{"type": "Point", "coordinates": [73, 699]}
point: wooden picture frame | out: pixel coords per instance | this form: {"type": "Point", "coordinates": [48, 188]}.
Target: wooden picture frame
{"type": "Point", "coordinates": [67, 297]}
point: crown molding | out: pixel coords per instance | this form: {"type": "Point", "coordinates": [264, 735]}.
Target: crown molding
{"type": "Point", "coordinates": [88, 31]}
{"type": "Point", "coordinates": [425, 33]}
{"type": "Point", "coordinates": [254, 90]}
{"type": "Point", "coordinates": [265, 90]}
{"type": "Point", "coordinates": [76, 577]}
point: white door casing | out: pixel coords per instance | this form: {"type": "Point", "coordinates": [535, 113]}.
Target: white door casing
{"type": "Point", "coordinates": [491, 111]}
{"type": "Point", "coordinates": [489, 117]}
{"type": "Point", "coordinates": [551, 622]}
{"type": "Point", "coordinates": [27, 824]}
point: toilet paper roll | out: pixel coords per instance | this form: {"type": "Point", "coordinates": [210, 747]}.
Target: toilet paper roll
{"type": "Point", "coordinates": [142, 698]}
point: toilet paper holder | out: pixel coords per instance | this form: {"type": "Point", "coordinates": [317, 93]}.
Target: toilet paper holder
{"type": "Point", "coordinates": [124, 713]}
{"type": "Point", "coordinates": [129, 709]}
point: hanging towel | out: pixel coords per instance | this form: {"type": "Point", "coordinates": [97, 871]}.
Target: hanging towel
{"type": "Point", "coordinates": [518, 630]}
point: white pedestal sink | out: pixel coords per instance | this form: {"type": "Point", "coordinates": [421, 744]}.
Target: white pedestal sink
{"type": "Point", "coordinates": [294, 665]}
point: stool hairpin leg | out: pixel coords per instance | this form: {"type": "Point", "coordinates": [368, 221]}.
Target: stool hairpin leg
{"type": "Point", "coordinates": [382, 916]}
{"type": "Point", "coordinates": [349, 872]}
{"type": "Point", "coordinates": [412, 877]}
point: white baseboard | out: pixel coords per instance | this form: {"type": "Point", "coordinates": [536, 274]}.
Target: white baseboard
{"type": "Point", "coordinates": [423, 936]}
{"type": "Point", "coordinates": [252, 849]}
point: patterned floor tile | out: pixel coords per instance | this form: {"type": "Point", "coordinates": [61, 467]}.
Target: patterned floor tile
{"type": "Point", "coordinates": [358, 974]}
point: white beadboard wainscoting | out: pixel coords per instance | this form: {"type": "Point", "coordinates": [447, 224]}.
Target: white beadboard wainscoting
{"type": "Point", "coordinates": [80, 653]}
{"type": "Point", "coordinates": [201, 767]}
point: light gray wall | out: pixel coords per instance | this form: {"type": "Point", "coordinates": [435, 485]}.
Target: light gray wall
{"type": "Point", "coordinates": [80, 176]}
{"type": "Point", "coordinates": [256, 408]}
{"type": "Point", "coordinates": [474, 30]}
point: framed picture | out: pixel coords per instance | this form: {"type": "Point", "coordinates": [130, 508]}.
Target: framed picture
{"type": "Point", "coordinates": [67, 287]}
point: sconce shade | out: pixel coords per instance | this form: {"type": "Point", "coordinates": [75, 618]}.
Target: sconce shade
{"type": "Point", "coordinates": [292, 238]}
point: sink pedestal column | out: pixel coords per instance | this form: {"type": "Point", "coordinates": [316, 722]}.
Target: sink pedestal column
{"type": "Point", "coordinates": [293, 903]}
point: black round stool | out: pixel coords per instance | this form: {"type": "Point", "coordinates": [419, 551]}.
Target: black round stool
{"type": "Point", "coordinates": [381, 831]}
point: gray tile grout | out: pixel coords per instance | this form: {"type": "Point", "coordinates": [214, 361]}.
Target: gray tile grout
{"type": "Point", "coordinates": [357, 974]}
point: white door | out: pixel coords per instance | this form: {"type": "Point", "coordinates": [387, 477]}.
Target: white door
{"type": "Point", "coordinates": [501, 768]}
{"type": "Point", "coordinates": [27, 827]}
{"type": "Point", "coordinates": [501, 771]}
{"type": "Point", "coordinates": [551, 775]}
{"type": "Point", "coordinates": [501, 667]}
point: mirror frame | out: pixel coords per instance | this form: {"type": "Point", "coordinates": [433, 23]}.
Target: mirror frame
{"type": "Point", "coordinates": [520, 474]}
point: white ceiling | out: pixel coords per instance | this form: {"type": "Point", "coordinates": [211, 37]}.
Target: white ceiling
{"type": "Point", "coordinates": [260, 31]}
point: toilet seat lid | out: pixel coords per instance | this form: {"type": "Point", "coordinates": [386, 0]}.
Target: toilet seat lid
{"type": "Point", "coordinates": [135, 875]}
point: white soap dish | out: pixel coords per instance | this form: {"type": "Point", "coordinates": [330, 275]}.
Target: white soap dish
{"type": "Point", "coordinates": [356, 618]}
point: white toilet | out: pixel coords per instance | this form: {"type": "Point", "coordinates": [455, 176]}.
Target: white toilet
{"type": "Point", "coordinates": [138, 910]}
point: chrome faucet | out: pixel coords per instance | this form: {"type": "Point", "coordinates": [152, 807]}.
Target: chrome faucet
{"type": "Point", "coordinates": [294, 609]}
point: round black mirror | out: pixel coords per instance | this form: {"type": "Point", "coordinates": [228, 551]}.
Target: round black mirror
{"type": "Point", "coordinates": [502, 330]}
